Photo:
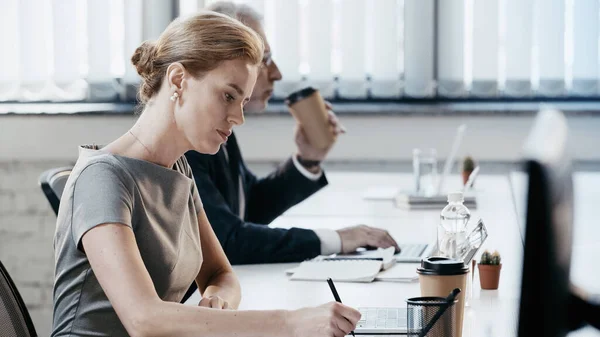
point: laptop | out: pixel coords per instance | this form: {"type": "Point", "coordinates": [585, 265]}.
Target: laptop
{"type": "Point", "coordinates": [382, 321]}
{"type": "Point", "coordinates": [415, 252]}
{"type": "Point", "coordinates": [409, 252]}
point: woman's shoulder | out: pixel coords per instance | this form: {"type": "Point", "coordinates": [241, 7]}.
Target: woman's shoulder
{"type": "Point", "coordinates": [93, 162]}
{"type": "Point", "coordinates": [182, 165]}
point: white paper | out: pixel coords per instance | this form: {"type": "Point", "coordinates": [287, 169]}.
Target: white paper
{"type": "Point", "coordinates": [400, 272]}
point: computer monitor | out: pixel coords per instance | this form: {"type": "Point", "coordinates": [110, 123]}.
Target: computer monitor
{"type": "Point", "coordinates": [547, 303]}
{"type": "Point", "coordinates": [547, 229]}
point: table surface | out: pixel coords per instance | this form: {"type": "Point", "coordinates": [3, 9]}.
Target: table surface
{"type": "Point", "coordinates": [499, 203]}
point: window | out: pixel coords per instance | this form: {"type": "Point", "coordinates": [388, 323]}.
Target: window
{"type": "Point", "coordinates": [79, 50]}
{"type": "Point", "coordinates": [74, 50]}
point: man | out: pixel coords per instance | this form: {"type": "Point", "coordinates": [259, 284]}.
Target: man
{"type": "Point", "coordinates": [240, 206]}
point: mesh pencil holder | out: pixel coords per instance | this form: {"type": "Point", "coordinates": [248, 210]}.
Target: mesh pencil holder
{"type": "Point", "coordinates": [431, 317]}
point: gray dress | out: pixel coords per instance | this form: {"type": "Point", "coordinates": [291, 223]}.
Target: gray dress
{"type": "Point", "coordinates": [159, 204]}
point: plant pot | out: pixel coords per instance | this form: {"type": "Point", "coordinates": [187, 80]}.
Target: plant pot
{"type": "Point", "coordinates": [465, 176]}
{"type": "Point", "coordinates": [489, 276]}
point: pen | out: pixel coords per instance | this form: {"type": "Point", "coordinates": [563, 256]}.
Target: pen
{"type": "Point", "coordinates": [335, 295]}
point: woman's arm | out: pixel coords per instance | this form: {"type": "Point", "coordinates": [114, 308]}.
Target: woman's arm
{"type": "Point", "coordinates": [118, 266]}
{"type": "Point", "coordinates": [216, 277]}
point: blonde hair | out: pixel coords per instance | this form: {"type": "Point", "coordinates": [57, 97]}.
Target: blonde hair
{"type": "Point", "coordinates": [200, 43]}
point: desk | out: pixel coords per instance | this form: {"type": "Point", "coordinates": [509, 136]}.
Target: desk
{"type": "Point", "coordinates": [341, 204]}
{"type": "Point", "coordinates": [344, 194]}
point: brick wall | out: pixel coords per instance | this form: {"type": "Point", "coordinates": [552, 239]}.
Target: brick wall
{"type": "Point", "coordinates": [26, 232]}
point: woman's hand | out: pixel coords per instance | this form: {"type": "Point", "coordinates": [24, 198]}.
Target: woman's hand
{"type": "Point", "coordinates": [329, 320]}
{"type": "Point", "coordinates": [214, 302]}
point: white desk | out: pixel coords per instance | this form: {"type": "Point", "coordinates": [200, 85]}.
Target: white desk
{"type": "Point", "coordinates": [341, 204]}
{"type": "Point", "coordinates": [344, 194]}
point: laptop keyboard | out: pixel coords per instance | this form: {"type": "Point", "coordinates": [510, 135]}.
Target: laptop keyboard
{"type": "Point", "coordinates": [410, 250]}
{"type": "Point", "coordinates": [382, 318]}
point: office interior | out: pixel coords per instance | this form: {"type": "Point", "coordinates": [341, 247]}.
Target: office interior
{"type": "Point", "coordinates": [400, 75]}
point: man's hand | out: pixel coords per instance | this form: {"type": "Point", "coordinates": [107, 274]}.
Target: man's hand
{"type": "Point", "coordinates": [214, 302]}
{"type": "Point", "coordinates": [309, 152]}
{"type": "Point", "coordinates": [365, 236]}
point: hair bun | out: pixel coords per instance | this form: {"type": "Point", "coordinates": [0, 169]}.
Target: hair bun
{"type": "Point", "coordinates": [143, 58]}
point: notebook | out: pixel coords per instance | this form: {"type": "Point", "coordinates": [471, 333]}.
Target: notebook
{"type": "Point", "coordinates": [401, 272]}
{"type": "Point", "coordinates": [345, 268]}
{"type": "Point", "coordinates": [352, 270]}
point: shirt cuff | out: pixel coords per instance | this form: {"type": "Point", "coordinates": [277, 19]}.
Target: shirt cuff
{"type": "Point", "coordinates": [331, 243]}
{"type": "Point", "coordinates": [305, 172]}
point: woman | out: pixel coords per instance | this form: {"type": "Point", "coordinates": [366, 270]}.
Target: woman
{"type": "Point", "coordinates": [131, 232]}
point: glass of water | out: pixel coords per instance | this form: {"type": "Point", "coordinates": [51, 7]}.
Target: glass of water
{"type": "Point", "coordinates": [425, 171]}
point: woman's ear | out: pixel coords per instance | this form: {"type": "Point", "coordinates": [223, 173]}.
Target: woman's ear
{"type": "Point", "coordinates": [175, 76]}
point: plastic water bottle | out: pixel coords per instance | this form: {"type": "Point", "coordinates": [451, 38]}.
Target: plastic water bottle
{"type": "Point", "coordinates": [452, 231]}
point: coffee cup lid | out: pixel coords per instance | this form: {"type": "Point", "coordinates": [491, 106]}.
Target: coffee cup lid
{"type": "Point", "coordinates": [438, 265]}
{"type": "Point", "coordinates": [299, 95]}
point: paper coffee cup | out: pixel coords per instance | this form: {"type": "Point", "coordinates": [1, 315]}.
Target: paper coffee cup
{"type": "Point", "coordinates": [438, 276]}
{"type": "Point", "coordinates": [308, 108]}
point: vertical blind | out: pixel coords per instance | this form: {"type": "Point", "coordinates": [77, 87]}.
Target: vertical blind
{"type": "Point", "coordinates": [79, 50]}
{"type": "Point", "coordinates": [74, 50]}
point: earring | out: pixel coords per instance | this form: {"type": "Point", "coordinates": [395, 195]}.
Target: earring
{"type": "Point", "coordinates": [175, 96]}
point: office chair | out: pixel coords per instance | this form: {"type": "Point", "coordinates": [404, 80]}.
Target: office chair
{"type": "Point", "coordinates": [14, 317]}
{"type": "Point", "coordinates": [52, 183]}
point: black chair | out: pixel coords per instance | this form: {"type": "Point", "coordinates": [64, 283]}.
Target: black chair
{"type": "Point", "coordinates": [52, 183]}
{"type": "Point", "coordinates": [14, 317]}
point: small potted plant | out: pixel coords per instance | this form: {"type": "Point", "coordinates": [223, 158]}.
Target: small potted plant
{"type": "Point", "coordinates": [489, 270]}
{"type": "Point", "coordinates": [467, 167]}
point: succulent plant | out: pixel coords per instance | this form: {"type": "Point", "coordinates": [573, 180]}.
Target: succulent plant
{"type": "Point", "coordinates": [490, 258]}
{"type": "Point", "coordinates": [468, 164]}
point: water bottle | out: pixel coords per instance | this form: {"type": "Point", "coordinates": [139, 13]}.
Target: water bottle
{"type": "Point", "coordinates": [452, 230]}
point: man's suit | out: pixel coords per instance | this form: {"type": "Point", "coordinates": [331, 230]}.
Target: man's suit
{"type": "Point", "coordinates": [249, 239]}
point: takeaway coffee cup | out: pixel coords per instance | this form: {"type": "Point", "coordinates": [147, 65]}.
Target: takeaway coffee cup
{"type": "Point", "coordinates": [438, 276]}
{"type": "Point", "coordinates": [308, 108]}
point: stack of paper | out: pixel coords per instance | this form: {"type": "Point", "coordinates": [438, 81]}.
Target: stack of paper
{"type": "Point", "coordinates": [412, 201]}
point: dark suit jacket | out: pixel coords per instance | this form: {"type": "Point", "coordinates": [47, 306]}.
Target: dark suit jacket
{"type": "Point", "coordinates": [251, 240]}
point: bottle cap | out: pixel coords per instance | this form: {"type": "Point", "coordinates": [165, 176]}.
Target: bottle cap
{"type": "Point", "coordinates": [455, 197]}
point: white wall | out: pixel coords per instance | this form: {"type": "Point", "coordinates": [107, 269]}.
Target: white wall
{"type": "Point", "coordinates": [269, 137]}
